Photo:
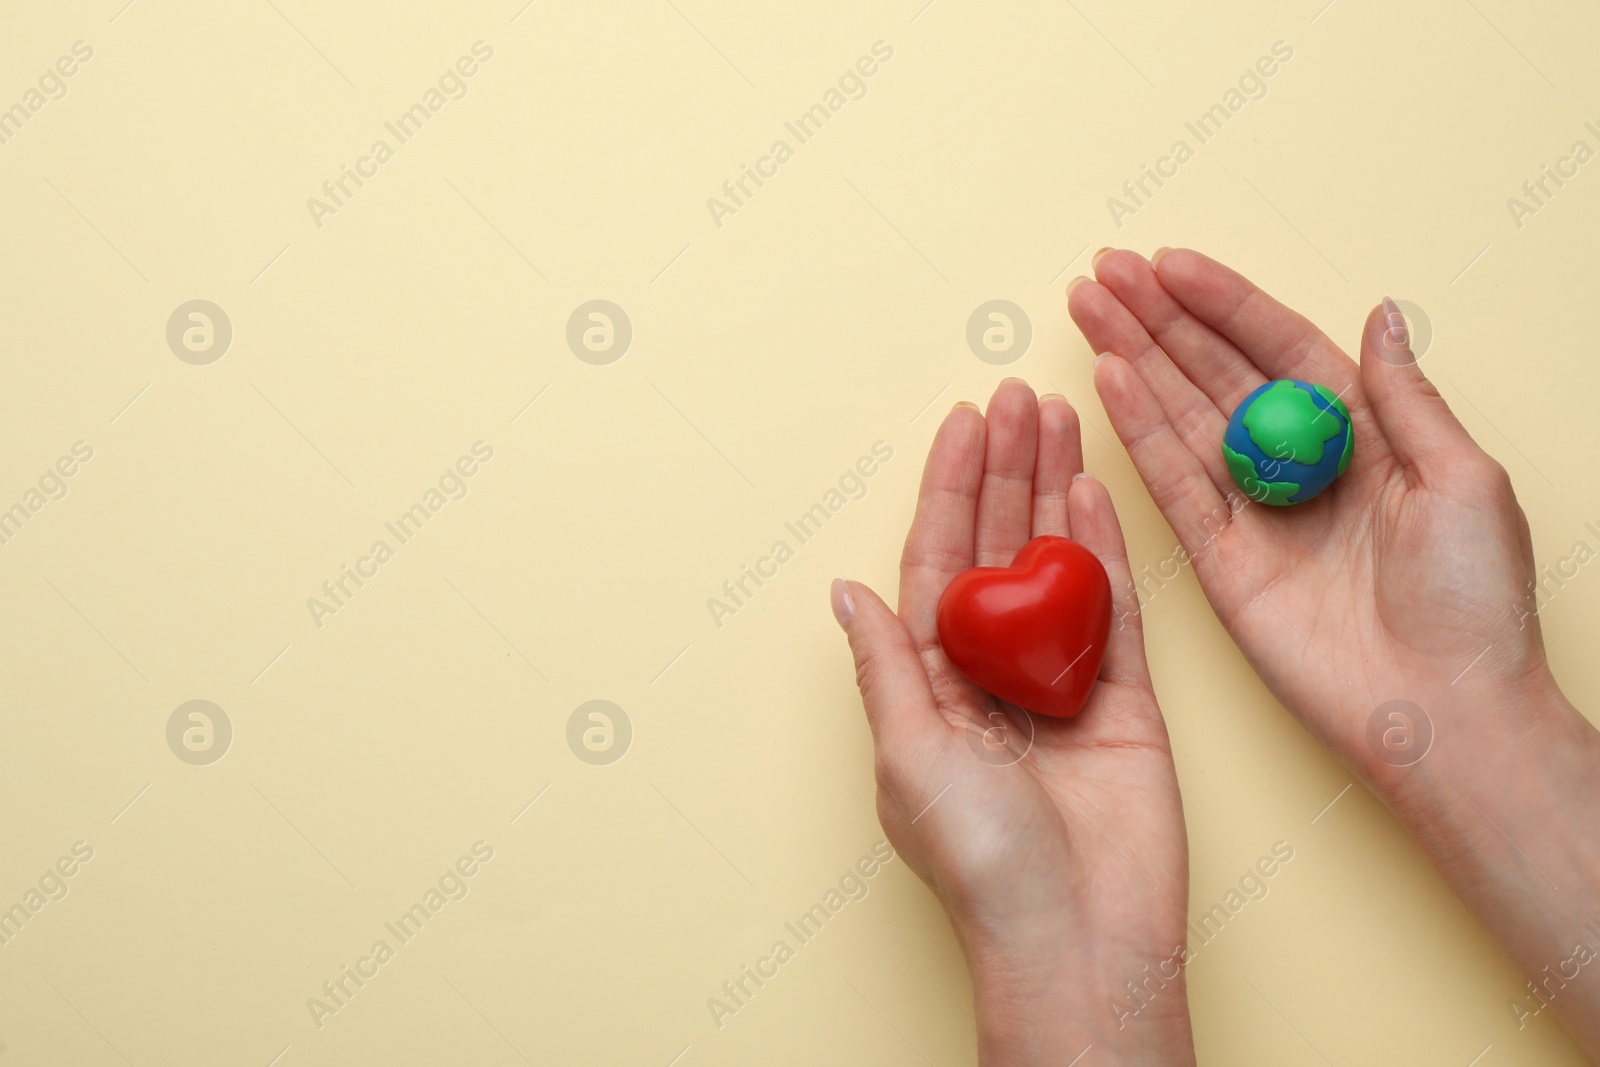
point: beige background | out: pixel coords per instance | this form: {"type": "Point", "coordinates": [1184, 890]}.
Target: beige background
{"type": "Point", "coordinates": [768, 355]}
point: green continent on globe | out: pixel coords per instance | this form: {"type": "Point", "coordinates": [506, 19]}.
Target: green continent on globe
{"type": "Point", "coordinates": [1285, 423]}
{"type": "Point", "coordinates": [1350, 437]}
{"type": "Point", "coordinates": [1332, 400]}
{"type": "Point", "coordinates": [1244, 473]}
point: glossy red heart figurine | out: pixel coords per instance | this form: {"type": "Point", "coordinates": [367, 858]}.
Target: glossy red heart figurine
{"type": "Point", "coordinates": [1033, 633]}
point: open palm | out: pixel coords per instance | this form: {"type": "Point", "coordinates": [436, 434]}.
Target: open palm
{"type": "Point", "coordinates": [1406, 576]}
{"type": "Point", "coordinates": [1022, 824]}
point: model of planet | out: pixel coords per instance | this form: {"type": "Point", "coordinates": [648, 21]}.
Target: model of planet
{"type": "Point", "coordinates": [1288, 441]}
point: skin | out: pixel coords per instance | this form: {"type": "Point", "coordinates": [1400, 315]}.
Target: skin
{"type": "Point", "coordinates": [1408, 580]}
{"type": "Point", "coordinates": [1064, 874]}
{"type": "Point", "coordinates": [1063, 864]}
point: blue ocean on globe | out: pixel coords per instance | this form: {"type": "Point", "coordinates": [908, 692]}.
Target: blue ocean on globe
{"type": "Point", "coordinates": [1288, 441]}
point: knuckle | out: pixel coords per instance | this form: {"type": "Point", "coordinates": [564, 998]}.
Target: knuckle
{"type": "Point", "coordinates": [889, 777]}
{"type": "Point", "coordinates": [1424, 387]}
{"type": "Point", "coordinates": [1490, 475]}
{"type": "Point", "coordinates": [869, 668]}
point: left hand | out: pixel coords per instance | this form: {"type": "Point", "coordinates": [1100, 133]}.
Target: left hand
{"type": "Point", "coordinates": [1056, 846]}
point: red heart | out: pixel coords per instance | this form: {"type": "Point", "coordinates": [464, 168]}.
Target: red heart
{"type": "Point", "coordinates": [1033, 633]}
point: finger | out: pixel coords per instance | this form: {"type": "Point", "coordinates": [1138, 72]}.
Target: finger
{"type": "Point", "coordinates": [940, 543]}
{"type": "Point", "coordinates": [1005, 503]}
{"type": "Point", "coordinates": [1178, 482]}
{"type": "Point", "coordinates": [1414, 419]}
{"type": "Point", "coordinates": [1060, 457]}
{"type": "Point", "coordinates": [1281, 342]}
{"type": "Point", "coordinates": [1095, 520]}
{"type": "Point", "coordinates": [1110, 327]}
{"type": "Point", "coordinates": [1205, 357]}
{"type": "Point", "coordinates": [894, 686]}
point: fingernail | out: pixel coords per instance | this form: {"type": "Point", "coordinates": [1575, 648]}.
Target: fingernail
{"type": "Point", "coordinates": [1074, 283]}
{"type": "Point", "coordinates": [1155, 257]}
{"type": "Point", "coordinates": [1008, 381]}
{"type": "Point", "coordinates": [844, 605]}
{"type": "Point", "coordinates": [1098, 256]}
{"type": "Point", "coordinates": [1080, 476]}
{"type": "Point", "coordinates": [1051, 396]}
{"type": "Point", "coordinates": [1396, 335]}
{"type": "Point", "coordinates": [1101, 358]}
{"type": "Point", "coordinates": [966, 404]}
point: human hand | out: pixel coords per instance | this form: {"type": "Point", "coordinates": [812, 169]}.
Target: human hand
{"type": "Point", "coordinates": [1056, 846]}
{"type": "Point", "coordinates": [1409, 579]}
{"type": "Point", "coordinates": [1412, 572]}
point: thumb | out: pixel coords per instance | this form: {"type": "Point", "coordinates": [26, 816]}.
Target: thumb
{"type": "Point", "coordinates": [1414, 419]}
{"type": "Point", "coordinates": [893, 681]}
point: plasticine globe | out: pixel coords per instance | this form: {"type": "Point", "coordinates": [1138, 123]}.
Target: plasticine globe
{"type": "Point", "coordinates": [1287, 442]}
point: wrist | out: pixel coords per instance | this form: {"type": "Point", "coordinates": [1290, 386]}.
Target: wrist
{"type": "Point", "coordinates": [1516, 755]}
{"type": "Point", "coordinates": [1045, 995]}
{"type": "Point", "coordinates": [1505, 806]}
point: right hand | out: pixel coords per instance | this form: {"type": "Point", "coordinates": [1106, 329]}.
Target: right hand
{"type": "Point", "coordinates": [1409, 575]}
{"type": "Point", "coordinates": [1408, 579]}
